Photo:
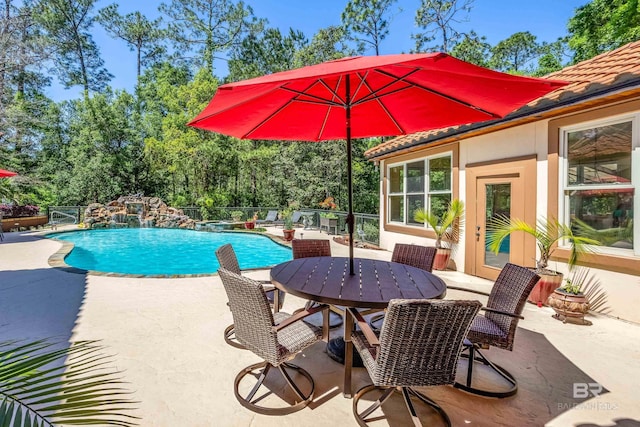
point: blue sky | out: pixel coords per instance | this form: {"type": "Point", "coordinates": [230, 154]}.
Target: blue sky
{"type": "Point", "coordinates": [494, 19]}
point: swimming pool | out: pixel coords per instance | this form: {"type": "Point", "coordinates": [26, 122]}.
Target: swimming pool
{"type": "Point", "coordinates": [166, 251]}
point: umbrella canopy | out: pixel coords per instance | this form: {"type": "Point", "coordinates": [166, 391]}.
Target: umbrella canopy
{"type": "Point", "coordinates": [359, 97]}
{"type": "Point", "coordinates": [6, 173]}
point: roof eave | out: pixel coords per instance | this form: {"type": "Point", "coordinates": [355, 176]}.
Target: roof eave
{"type": "Point", "coordinates": [545, 109]}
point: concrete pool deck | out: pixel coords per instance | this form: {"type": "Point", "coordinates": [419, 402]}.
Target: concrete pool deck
{"type": "Point", "coordinates": [166, 335]}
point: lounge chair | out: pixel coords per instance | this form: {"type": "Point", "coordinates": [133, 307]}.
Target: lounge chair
{"type": "Point", "coordinates": [296, 216]}
{"type": "Point", "coordinates": [271, 217]}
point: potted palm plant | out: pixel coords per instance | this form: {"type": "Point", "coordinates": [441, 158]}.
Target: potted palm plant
{"type": "Point", "coordinates": [446, 228]}
{"type": "Point", "coordinates": [547, 232]}
{"type": "Point", "coordinates": [570, 301]}
{"type": "Point", "coordinates": [288, 230]}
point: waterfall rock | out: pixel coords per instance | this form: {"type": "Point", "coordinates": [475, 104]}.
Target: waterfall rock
{"type": "Point", "coordinates": [136, 211]}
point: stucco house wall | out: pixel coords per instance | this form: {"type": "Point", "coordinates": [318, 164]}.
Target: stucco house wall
{"type": "Point", "coordinates": [623, 290]}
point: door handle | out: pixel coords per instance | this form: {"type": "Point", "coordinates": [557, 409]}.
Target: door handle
{"type": "Point", "coordinates": [478, 233]}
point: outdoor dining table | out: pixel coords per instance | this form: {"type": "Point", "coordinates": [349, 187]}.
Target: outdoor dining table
{"type": "Point", "coordinates": [374, 284]}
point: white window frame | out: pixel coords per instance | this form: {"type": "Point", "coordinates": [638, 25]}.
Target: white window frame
{"type": "Point", "coordinates": [563, 193]}
{"type": "Point", "coordinates": [427, 191]}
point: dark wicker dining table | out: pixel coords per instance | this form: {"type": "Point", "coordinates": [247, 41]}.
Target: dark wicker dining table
{"type": "Point", "coordinates": [374, 284]}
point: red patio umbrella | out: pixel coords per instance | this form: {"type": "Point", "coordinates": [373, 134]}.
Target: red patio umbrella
{"type": "Point", "coordinates": [365, 96]}
{"type": "Point", "coordinates": [6, 173]}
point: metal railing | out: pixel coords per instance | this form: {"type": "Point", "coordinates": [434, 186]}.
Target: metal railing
{"type": "Point", "coordinates": [58, 217]}
{"type": "Point", "coordinates": [76, 212]}
{"type": "Point", "coordinates": [367, 225]}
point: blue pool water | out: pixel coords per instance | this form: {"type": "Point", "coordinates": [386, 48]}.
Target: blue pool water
{"type": "Point", "coordinates": [160, 251]}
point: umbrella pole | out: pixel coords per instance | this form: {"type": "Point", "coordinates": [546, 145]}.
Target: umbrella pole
{"type": "Point", "coordinates": [350, 218]}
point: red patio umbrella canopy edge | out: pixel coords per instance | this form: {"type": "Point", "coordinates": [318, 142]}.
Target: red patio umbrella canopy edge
{"type": "Point", "coordinates": [6, 174]}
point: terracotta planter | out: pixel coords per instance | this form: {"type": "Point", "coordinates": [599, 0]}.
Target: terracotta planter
{"type": "Point", "coordinates": [545, 287]}
{"type": "Point", "coordinates": [249, 225]}
{"type": "Point", "coordinates": [23, 222]}
{"type": "Point", "coordinates": [442, 259]}
{"type": "Point", "coordinates": [569, 306]}
{"type": "Point", "coordinates": [288, 234]}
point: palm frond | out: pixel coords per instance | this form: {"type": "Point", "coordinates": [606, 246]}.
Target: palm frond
{"type": "Point", "coordinates": [42, 384]}
{"type": "Point", "coordinates": [448, 226]}
{"type": "Point", "coordinates": [546, 232]}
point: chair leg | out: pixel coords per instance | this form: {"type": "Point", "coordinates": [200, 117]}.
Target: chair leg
{"type": "Point", "coordinates": [249, 402]}
{"type": "Point", "coordinates": [230, 337]}
{"type": "Point", "coordinates": [363, 417]}
{"type": "Point", "coordinates": [475, 356]}
{"type": "Point", "coordinates": [426, 401]}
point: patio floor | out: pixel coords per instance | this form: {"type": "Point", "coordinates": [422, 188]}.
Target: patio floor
{"type": "Point", "coordinates": [166, 334]}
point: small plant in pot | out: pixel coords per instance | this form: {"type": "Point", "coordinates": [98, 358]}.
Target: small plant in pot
{"type": "Point", "coordinates": [446, 228]}
{"type": "Point", "coordinates": [288, 231]}
{"type": "Point", "coordinates": [237, 216]}
{"type": "Point", "coordinates": [570, 301]}
{"type": "Point", "coordinates": [547, 232]}
{"type": "Point", "coordinates": [250, 223]}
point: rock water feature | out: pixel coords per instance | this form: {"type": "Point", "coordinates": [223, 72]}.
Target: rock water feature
{"type": "Point", "coordinates": [135, 211]}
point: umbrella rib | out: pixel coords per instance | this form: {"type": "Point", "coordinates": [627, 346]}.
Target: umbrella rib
{"type": "Point", "coordinates": [262, 122]}
{"type": "Point", "coordinates": [334, 91]}
{"type": "Point", "coordinates": [384, 107]}
{"type": "Point", "coordinates": [322, 101]}
{"type": "Point", "coordinates": [335, 95]}
{"type": "Point", "coordinates": [396, 79]}
{"type": "Point", "coordinates": [435, 92]}
{"type": "Point", "coordinates": [285, 105]}
{"type": "Point", "coordinates": [362, 83]}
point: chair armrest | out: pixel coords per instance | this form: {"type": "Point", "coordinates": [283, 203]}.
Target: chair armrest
{"type": "Point", "coordinates": [265, 282]}
{"type": "Point", "coordinates": [267, 286]}
{"type": "Point", "coordinates": [506, 313]}
{"type": "Point", "coordinates": [458, 288]}
{"type": "Point", "coordinates": [364, 327]}
{"type": "Point", "coordinates": [299, 315]}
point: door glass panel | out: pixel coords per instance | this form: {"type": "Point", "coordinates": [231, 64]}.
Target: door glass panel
{"type": "Point", "coordinates": [498, 204]}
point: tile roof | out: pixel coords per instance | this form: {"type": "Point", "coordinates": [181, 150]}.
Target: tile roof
{"type": "Point", "coordinates": [601, 75]}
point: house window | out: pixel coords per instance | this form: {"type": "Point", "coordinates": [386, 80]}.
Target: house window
{"type": "Point", "coordinates": [598, 182]}
{"type": "Point", "coordinates": [418, 185]}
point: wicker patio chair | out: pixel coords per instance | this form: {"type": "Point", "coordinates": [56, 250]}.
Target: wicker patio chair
{"type": "Point", "coordinates": [419, 345]}
{"type": "Point", "coordinates": [414, 255]}
{"type": "Point", "coordinates": [275, 337]}
{"type": "Point", "coordinates": [498, 326]}
{"type": "Point", "coordinates": [228, 260]}
{"type": "Point", "coordinates": [306, 248]}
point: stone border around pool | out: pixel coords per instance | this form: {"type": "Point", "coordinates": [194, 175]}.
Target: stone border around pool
{"type": "Point", "coordinates": [57, 259]}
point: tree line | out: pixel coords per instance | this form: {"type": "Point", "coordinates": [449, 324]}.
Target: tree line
{"type": "Point", "coordinates": [109, 142]}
